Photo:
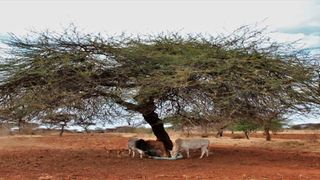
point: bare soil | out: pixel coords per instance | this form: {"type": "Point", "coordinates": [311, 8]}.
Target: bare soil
{"type": "Point", "coordinates": [104, 156]}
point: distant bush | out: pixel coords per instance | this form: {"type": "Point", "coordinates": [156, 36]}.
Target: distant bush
{"type": "Point", "coordinates": [306, 126]}
{"type": "Point", "coordinates": [246, 126]}
{"type": "Point", "coordinates": [142, 130]}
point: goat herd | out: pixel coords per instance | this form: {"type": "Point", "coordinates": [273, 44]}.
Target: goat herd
{"type": "Point", "coordinates": [156, 148]}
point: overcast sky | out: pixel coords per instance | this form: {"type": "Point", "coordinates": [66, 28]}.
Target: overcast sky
{"type": "Point", "coordinates": [290, 20]}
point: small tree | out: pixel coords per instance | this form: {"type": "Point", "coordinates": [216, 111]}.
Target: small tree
{"type": "Point", "coordinates": [59, 119]}
{"type": "Point", "coordinates": [246, 126]}
{"type": "Point", "coordinates": [85, 123]}
{"type": "Point", "coordinates": [277, 125]}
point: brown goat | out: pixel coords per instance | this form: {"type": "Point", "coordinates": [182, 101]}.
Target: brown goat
{"type": "Point", "coordinates": [158, 146]}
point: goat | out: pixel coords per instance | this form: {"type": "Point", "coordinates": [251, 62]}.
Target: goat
{"type": "Point", "coordinates": [152, 147]}
{"type": "Point", "coordinates": [186, 144]}
{"type": "Point", "coordinates": [132, 147]}
{"type": "Point", "coordinates": [158, 146]}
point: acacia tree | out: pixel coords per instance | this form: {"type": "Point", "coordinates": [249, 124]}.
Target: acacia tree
{"type": "Point", "coordinates": [246, 126]}
{"type": "Point", "coordinates": [239, 75]}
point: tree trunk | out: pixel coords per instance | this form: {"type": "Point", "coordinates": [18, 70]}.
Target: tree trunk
{"type": "Point", "coordinates": [62, 130]}
{"type": "Point", "coordinates": [205, 130]}
{"type": "Point", "coordinates": [188, 131]}
{"type": "Point", "coordinates": [158, 129]}
{"type": "Point", "coordinates": [147, 109]}
{"type": "Point", "coordinates": [219, 133]}
{"type": "Point", "coordinates": [268, 136]}
{"type": "Point", "coordinates": [86, 129]}
{"type": "Point", "coordinates": [19, 125]}
{"type": "Point", "coordinates": [247, 134]}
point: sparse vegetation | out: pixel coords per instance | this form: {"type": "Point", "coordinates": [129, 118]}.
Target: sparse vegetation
{"type": "Point", "coordinates": [246, 126]}
{"type": "Point", "coordinates": [206, 80]}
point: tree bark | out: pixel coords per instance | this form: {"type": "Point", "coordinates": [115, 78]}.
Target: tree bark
{"type": "Point", "coordinates": [86, 129]}
{"type": "Point", "coordinates": [19, 125]}
{"type": "Point", "coordinates": [205, 129]}
{"type": "Point", "coordinates": [61, 130]}
{"type": "Point", "coordinates": [268, 136]}
{"type": "Point", "coordinates": [158, 129]}
{"type": "Point", "coordinates": [147, 109]}
{"type": "Point", "coordinates": [247, 134]}
{"type": "Point", "coordinates": [219, 133]}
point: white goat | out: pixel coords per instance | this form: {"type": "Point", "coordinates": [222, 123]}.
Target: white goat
{"type": "Point", "coordinates": [186, 144]}
{"type": "Point", "coordinates": [132, 147]}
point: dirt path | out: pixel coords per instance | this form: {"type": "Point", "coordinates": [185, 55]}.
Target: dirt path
{"type": "Point", "coordinates": [86, 157]}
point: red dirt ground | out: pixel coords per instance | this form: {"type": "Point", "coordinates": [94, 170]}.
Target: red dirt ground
{"type": "Point", "coordinates": [104, 156]}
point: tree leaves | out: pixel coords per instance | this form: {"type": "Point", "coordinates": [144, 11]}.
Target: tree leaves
{"type": "Point", "coordinates": [243, 74]}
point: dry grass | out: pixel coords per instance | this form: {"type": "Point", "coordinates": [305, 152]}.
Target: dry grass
{"type": "Point", "coordinates": [237, 136]}
{"type": "Point", "coordinates": [239, 140]}
{"type": "Point", "coordinates": [311, 143]}
{"type": "Point", "coordinates": [314, 138]}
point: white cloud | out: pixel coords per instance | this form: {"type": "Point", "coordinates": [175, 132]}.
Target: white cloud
{"type": "Point", "coordinates": [149, 16]}
{"type": "Point", "coordinates": [304, 41]}
{"type": "Point", "coordinates": [307, 29]}
{"type": "Point", "coordinates": [303, 119]}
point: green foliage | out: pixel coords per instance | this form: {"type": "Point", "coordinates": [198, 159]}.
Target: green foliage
{"type": "Point", "coordinates": [277, 125]}
{"type": "Point", "coordinates": [252, 125]}
{"type": "Point", "coordinates": [248, 126]}
{"type": "Point", "coordinates": [198, 78]}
